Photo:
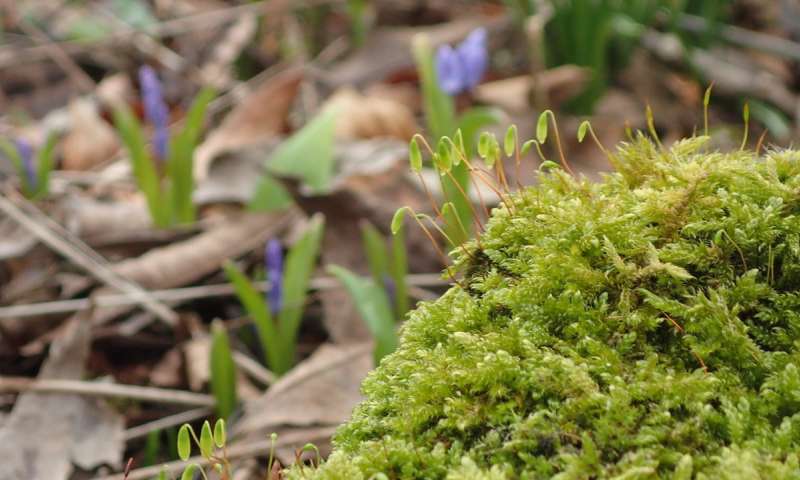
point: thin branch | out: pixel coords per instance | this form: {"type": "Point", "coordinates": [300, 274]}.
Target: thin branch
{"type": "Point", "coordinates": [101, 389]}
{"type": "Point", "coordinates": [176, 295]}
{"type": "Point", "coordinates": [71, 247]}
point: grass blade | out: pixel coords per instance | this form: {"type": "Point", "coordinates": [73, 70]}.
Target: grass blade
{"type": "Point", "coordinates": [399, 271]}
{"type": "Point", "coordinates": [256, 306]}
{"type": "Point", "coordinates": [300, 262]}
{"type": "Point", "coordinates": [373, 305]}
{"type": "Point", "coordinates": [377, 254]}
{"type": "Point", "coordinates": [223, 371]}
{"type": "Point", "coordinates": [144, 169]}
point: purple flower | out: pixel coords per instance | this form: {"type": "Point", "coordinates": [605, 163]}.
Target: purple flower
{"type": "Point", "coordinates": [273, 259]}
{"type": "Point", "coordinates": [155, 109]}
{"type": "Point", "coordinates": [462, 68]}
{"type": "Point", "coordinates": [25, 152]}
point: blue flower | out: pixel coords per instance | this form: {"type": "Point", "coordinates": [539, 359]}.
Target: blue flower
{"type": "Point", "coordinates": [273, 260]}
{"type": "Point", "coordinates": [462, 68]}
{"type": "Point", "coordinates": [155, 109]}
{"type": "Point", "coordinates": [25, 152]}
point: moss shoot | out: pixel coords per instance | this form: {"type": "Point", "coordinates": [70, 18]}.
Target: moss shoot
{"type": "Point", "coordinates": [645, 326]}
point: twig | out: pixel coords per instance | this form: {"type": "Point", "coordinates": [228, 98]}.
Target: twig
{"type": "Point", "coordinates": [176, 295]}
{"type": "Point", "coordinates": [235, 451]}
{"type": "Point", "coordinates": [744, 37]}
{"type": "Point", "coordinates": [60, 240]}
{"type": "Point", "coordinates": [254, 369]}
{"type": "Point", "coordinates": [100, 389]}
{"type": "Point", "coordinates": [166, 422]}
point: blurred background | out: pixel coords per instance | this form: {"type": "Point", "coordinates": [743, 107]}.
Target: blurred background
{"type": "Point", "coordinates": [198, 196]}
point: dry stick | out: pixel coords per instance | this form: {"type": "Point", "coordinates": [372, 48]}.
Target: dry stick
{"type": "Point", "coordinates": [254, 369]}
{"type": "Point", "coordinates": [166, 422]}
{"type": "Point", "coordinates": [60, 240]}
{"type": "Point", "coordinates": [243, 450]}
{"type": "Point", "coordinates": [175, 295]}
{"type": "Point", "coordinates": [100, 389]}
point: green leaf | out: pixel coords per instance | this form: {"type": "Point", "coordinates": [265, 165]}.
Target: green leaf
{"type": "Point", "coordinates": [270, 195]}
{"type": "Point", "coordinates": [223, 371]}
{"type": "Point", "coordinates": [10, 150]}
{"type": "Point", "coordinates": [510, 141]}
{"type": "Point", "coordinates": [541, 127]}
{"type": "Point", "coordinates": [188, 473]}
{"type": "Point", "coordinates": [308, 154]}
{"type": "Point", "coordinates": [180, 164]}
{"type": "Point", "coordinates": [474, 119]}
{"type": "Point", "coordinates": [399, 271]}
{"type": "Point", "coordinates": [415, 155]}
{"type": "Point", "coordinates": [44, 165]}
{"type": "Point", "coordinates": [443, 158]}
{"type": "Point", "coordinates": [206, 440]}
{"type": "Point", "coordinates": [254, 302]}
{"type": "Point", "coordinates": [373, 306]}
{"type": "Point", "coordinates": [144, 170]}
{"type": "Point", "coordinates": [484, 145]}
{"type": "Point", "coordinates": [300, 262]}
{"type": "Point", "coordinates": [549, 165]}
{"type": "Point", "coordinates": [458, 145]}
{"type": "Point", "coordinates": [220, 435]}
{"type": "Point", "coordinates": [184, 442]}
{"type": "Point", "coordinates": [582, 129]}
{"type": "Point", "coordinates": [397, 219]}
{"type": "Point", "coordinates": [526, 147]}
{"type": "Point", "coordinates": [377, 255]}
{"type": "Point", "coordinates": [162, 475]}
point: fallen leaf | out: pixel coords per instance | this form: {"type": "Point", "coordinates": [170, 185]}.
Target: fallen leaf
{"type": "Point", "coordinates": [46, 433]}
{"type": "Point", "coordinates": [557, 85]}
{"type": "Point", "coordinates": [90, 140]}
{"type": "Point", "coordinates": [371, 116]}
{"type": "Point", "coordinates": [322, 390]}
{"type": "Point", "coordinates": [259, 116]}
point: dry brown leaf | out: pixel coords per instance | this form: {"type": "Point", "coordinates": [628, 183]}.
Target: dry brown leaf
{"type": "Point", "coordinates": [322, 390]}
{"type": "Point", "coordinates": [259, 116]}
{"type": "Point", "coordinates": [45, 433]}
{"type": "Point", "coordinates": [557, 85]}
{"type": "Point", "coordinates": [90, 140]}
{"type": "Point", "coordinates": [371, 116]}
{"type": "Point", "coordinates": [185, 262]}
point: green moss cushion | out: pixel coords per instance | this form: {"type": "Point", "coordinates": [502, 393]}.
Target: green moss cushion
{"type": "Point", "coordinates": [645, 326]}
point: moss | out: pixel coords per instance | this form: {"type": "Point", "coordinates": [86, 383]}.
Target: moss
{"type": "Point", "coordinates": [645, 326]}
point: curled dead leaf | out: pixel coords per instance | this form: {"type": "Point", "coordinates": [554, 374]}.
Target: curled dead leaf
{"type": "Point", "coordinates": [258, 117]}
{"type": "Point", "coordinates": [371, 116]}
{"type": "Point", "coordinates": [90, 140]}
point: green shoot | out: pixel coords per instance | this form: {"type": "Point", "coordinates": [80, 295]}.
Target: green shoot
{"type": "Point", "coordinates": [278, 333]}
{"type": "Point", "coordinates": [223, 371]}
